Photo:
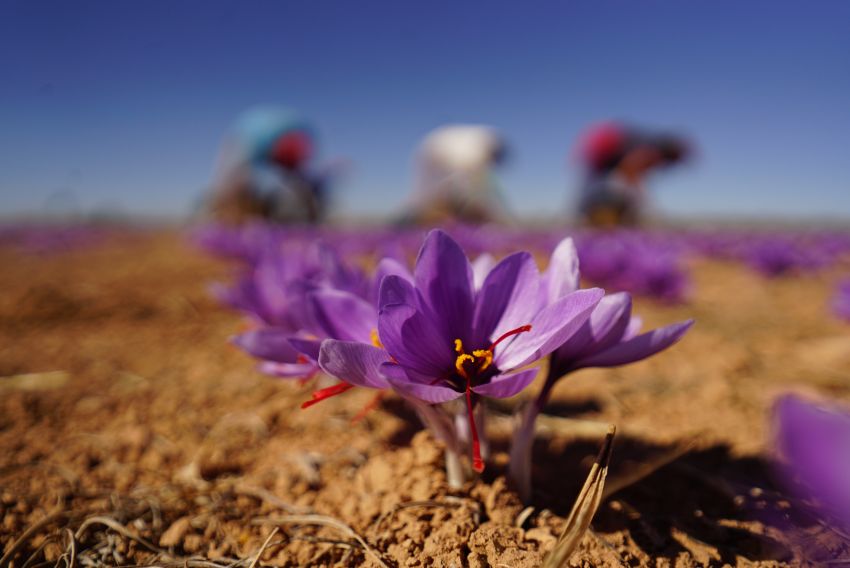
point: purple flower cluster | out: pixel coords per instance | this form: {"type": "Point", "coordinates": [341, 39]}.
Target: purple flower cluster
{"type": "Point", "coordinates": [639, 263]}
{"type": "Point", "coordinates": [297, 297]}
{"type": "Point", "coordinates": [636, 263]}
{"type": "Point", "coordinates": [778, 256]}
{"type": "Point", "coordinates": [771, 253]}
{"type": "Point", "coordinates": [443, 336]}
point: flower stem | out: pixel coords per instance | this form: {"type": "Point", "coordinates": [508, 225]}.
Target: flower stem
{"type": "Point", "coordinates": [454, 469]}
{"type": "Point", "coordinates": [450, 428]}
{"type": "Point", "coordinates": [519, 468]}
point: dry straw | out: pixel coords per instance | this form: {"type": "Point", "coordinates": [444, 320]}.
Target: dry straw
{"type": "Point", "coordinates": [584, 508]}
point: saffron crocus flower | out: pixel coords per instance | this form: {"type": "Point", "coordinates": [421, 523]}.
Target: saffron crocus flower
{"type": "Point", "coordinates": [271, 292]}
{"type": "Point", "coordinates": [316, 311]}
{"type": "Point", "coordinates": [273, 296]}
{"type": "Point", "coordinates": [813, 441]}
{"type": "Point", "coordinates": [279, 357]}
{"type": "Point", "coordinates": [341, 315]}
{"type": "Point", "coordinates": [608, 338]}
{"type": "Point", "coordinates": [442, 340]}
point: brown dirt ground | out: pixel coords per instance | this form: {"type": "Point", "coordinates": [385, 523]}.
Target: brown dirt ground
{"type": "Point", "coordinates": [131, 433]}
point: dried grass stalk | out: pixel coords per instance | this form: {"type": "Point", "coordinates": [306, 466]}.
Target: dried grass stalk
{"type": "Point", "coordinates": [584, 508]}
{"type": "Point", "coordinates": [327, 522]}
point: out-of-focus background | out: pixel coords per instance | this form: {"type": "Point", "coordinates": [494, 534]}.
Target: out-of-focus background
{"type": "Point", "coordinates": [120, 108]}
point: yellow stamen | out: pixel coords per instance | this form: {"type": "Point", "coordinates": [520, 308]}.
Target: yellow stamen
{"type": "Point", "coordinates": [463, 357]}
{"type": "Point", "coordinates": [376, 341]}
{"type": "Point", "coordinates": [483, 358]}
{"type": "Point", "coordinates": [484, 354]}
{"type": "Point", "coordinates": [480, 360]}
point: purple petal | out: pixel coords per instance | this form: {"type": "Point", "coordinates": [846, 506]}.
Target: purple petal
{"type": "Point", "coordinates": [297, 312]}
{"type": "Point", "coordinates": [411, 384]}
{"type": "Point", "coordinates": [550, 328]}
{"type": "Point", "coordinates": [388, 267]}
{"type": "Point", "coordinates": [340, 275]}
{"type": "Point", "coordinates": [342, 315]}
{"type": "Point", "coordinates": [269, 283]}
{"type": "Point", "coordinates": [605, 326]}
{"type": "Point", "coordinates": [507, 385]}
{"type": "Point", "coordinates": [562, 274]}
{"type": "Point", "coordinates": [269, 343]}
{"type": "Point", "coordinates": [243, 296]}
{"type": "Point", "coordinates": [308, 346]}
{"type": "Point", "coordinates": [481, 267]}
{"type": "Point", "coordinates": [396, 290]}
{"type": "Point", "coordinates": [634, 327]}
{"type": "Point", "coordinates": [508, 294]}
{"type": "Point", "coordinates": [353, 362]}
{"type": "Point", "coordinates": [443, 276]}
{"type": "Point", "coordinates": [413, 340]}
{"type": "Point", "coordinates": [289, 370]}
{"type": "Point", "coordinates": [610, 319]}
{"type": "Point", "coordinates": [639, 347]}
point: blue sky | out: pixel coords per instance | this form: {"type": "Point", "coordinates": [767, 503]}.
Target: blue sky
{"type": "Point", "coordinates": [122, 104]}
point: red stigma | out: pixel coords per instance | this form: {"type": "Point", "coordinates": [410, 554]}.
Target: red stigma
{"type": "Point", "coordinates": [507, 334]}
{"type": "Point", "coordinates": [324, 393]}
{"type": "Point", "coordinates": [477, 462]}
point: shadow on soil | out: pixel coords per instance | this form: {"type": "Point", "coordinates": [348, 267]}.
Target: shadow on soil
{"type": "Point", "coordinates": [702, 498]}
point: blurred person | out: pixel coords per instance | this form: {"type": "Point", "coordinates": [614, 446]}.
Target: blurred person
{"type": "Point", "coordinates": [617, 159]}
{"type": "Point", "coordinates": [455, 179]}
{"type": "Point", "coordinates": [264, 171]}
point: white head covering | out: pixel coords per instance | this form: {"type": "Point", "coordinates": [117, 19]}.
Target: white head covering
{"type": "Point", "coordinates": [461, 147]}
{"type": "Point", "coordinates": [455, 164]}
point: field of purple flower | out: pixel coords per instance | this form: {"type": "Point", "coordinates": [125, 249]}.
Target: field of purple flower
{"type": "Point", "coordinates": [412, 398]}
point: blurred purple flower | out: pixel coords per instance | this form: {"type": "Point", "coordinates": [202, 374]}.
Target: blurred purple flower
{"type": "Point", "coordinates": [301, 307]}
{"type": "Point", "coordinates": [779, 255]}
{"type": "Point", "coordinates": [814, 442]}
{"type": "Point", "coordinates": [271, 291]}
{"type": "Point", "coordinates": [634, 262]}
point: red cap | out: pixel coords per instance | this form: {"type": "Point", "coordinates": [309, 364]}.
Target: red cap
{"type": "Point", "coordinates": [601, 143]}
{"type": "Point", "coordinates": [291, 149]}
